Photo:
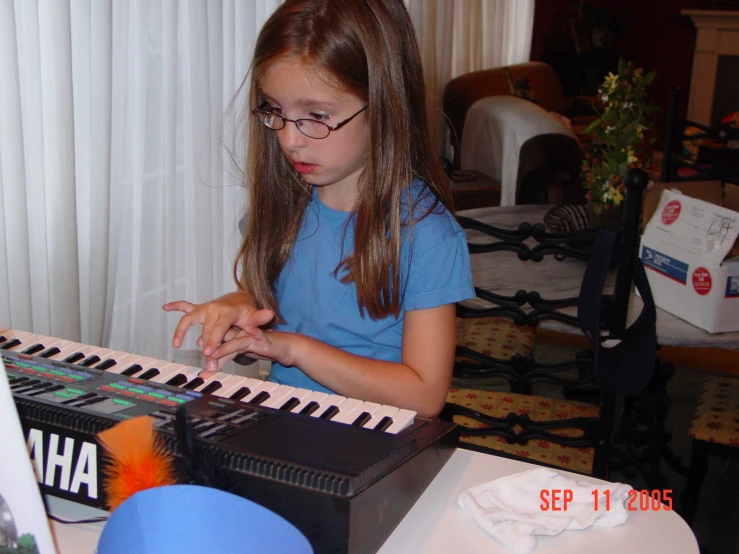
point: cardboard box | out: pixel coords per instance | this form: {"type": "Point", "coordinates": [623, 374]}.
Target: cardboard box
{"type": "Point", "coordinates": [687, 251]}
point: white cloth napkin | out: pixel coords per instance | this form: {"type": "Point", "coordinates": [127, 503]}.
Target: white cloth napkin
{"type": "Point", "coordinates": [510, 508]}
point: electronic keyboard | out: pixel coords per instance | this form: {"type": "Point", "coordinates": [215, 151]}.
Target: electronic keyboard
{"type": "Point", "coordinates": [342, 470]}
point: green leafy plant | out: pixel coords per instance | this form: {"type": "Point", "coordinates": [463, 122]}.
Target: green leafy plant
{"type": "Point", "coordinates": [622, 135]}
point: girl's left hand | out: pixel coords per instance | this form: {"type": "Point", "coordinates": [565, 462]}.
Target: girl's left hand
{"type": "Point", "coordinates": [254, 343]}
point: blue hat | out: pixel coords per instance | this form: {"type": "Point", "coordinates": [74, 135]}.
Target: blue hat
{"type": "Point", "coordinates": [186, 519]}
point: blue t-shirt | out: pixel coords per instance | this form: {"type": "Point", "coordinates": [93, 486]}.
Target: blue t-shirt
{"type": "Point", "coordinates": [314, 302]}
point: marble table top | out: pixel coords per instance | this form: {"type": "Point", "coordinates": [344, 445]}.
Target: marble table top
{"type": "Point", "coordinates": [504, 273]}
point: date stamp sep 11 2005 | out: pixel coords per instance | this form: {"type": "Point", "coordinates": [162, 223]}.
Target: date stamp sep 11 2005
{"type": "Point", "coordinates": [558, 500]}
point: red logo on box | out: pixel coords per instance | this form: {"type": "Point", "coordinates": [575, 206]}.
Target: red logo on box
{"type": "Point", "coordinates": [702, 281]}
{"type": "Point", "coordinates": [671, 212]}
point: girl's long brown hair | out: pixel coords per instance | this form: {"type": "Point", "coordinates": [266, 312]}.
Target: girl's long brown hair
{"type": "Point", "coordinates": [369, 47]}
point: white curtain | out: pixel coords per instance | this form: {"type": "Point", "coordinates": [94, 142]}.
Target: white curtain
{"type": "Point", "coordinates": [116, 191]}
{"type": "Point", "coordinates": [459, 36]}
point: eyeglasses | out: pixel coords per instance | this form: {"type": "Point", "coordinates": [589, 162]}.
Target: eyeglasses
{"type": "Point", "coordinates": [311, 128]}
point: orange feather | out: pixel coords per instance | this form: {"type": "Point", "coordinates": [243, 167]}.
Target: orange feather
{"type": "Point", "coordinates": [137, 460]}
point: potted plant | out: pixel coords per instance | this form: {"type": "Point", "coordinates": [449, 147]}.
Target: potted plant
{"type": "Point", "coordinates": [622, 137]}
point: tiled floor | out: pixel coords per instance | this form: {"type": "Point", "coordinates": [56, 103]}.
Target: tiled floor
{"type": "Point", "coordinates": [716, 524]}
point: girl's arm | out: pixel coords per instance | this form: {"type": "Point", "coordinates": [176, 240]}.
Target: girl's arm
{"type": "Point", "coordinates": [420, 382]}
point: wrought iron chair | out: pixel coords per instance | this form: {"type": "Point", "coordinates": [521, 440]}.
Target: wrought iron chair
{"type": "Point", "coordinates": [695, 152]}
{"type": "Point", "coordinates": [573, 431]}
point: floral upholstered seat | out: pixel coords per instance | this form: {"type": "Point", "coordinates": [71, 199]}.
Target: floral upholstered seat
{"type": "Point", "coordinates": [716, 418]}
{"type": "Point", "coordinates": [496, 337]}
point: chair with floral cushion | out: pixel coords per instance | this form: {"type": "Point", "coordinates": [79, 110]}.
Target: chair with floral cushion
{"type": "Point", "coordinates": [495, 338]}
{"type": "Point", "coordinates": [714, 430]}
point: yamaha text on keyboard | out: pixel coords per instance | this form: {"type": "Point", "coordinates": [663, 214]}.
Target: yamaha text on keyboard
{"type": "Point", "coordinates": [343, 471]}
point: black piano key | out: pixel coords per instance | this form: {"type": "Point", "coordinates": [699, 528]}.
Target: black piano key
{"type": "Point", "coordinates": [212, 387]}
{"type": "Point", "coordinates": [259, 398]}
{"type": "Point", "coordinates": [15, 380]}
{"type": "Point", "coordinates": [363, 418]}
{"type": "Point", "coordinates": [90, 361]}
{"type": "Point", "coordinates": [241, 393]}
{"type": "Point", "coordinates": [290, 404]}
{"type": "Point", "coordinates": [330, 412]}
{"type": "Point", "coordinates": [132, 370]}
{"type": "Point", "coordinates": [76, 357]}
{"type": "Point", "coordinates": [384, 423]}
{"type": "Point", "coordinates": [177, 381]}
{"type": "Point", "coordinates": [195, 383]}
{"type": "Point", "coordinates": [38, 347]}
{"type": "Point", "coordinates": [49, 352]}
{"type": "Point", "coordinates": [149, 374]}
{"type": "Point", "coordinates": [12, 343]}
{"type": "Point", "coordinates": [310, 408]}
{"type": "Point", "coordinates": [2, 339]}
{"type": "Point", "coordinates": [107, 364]}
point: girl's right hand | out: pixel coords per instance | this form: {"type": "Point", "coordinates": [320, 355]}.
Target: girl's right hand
{"type": "Point", "coordinates": [217, 317]}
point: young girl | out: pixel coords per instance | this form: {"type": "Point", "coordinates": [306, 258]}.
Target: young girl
{"type": "Point", "coordinates": [351, 262]}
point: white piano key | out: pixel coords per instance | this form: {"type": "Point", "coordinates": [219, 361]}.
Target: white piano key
{"type": "Point", "coordinates": [264, 386]}
{"type": "Point", "coordinates": [384, 411]}
{"type": "Point", "coordinates": [65, 350]}
{"type": "Point", "coordinates": [74, 348]}
{"type": "Point", "coordinates": [278, 396]}
{"type": "Point", "coordinates": [168, 371]}
{"type": "Point", "coordinates": [401, 420]}
{"type": "Point", "coordinates": [236, 383]}
{"type": "Point", "coordinates": [283, 394]}
{"type": "Point", "coordinates": [55, 343]}
{"type": "Point", "coordinates": [314, 396]}
{"type": "Point", "coordinates": [10, 333]}
{"type": "Point", "coordinates": [5, 331]}
{"type": "Point", "coordinates": [115, 355]}
{"type": "Point", "coordinates": [129, 360]}
{"type": "Point", "coordinates": [26, 338]}
{"type": "Point", "coordinates": [368, 408]}
{"type": "Point", "coordinates": [349, 409]}
{"type": "Point", "coordinates": [35, 341]}
{"type": "Point", "coordinates": [221, 377]}
{"type": "Point", "coordinates": [101, 353]}
{"type": "Point", "coordinates": [298, 394]}
{"type": "Point", "coordinates": [330, 400]}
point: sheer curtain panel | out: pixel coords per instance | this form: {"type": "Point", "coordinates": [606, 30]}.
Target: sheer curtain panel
{"type": "Point", "coordinates": [116, 189]}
